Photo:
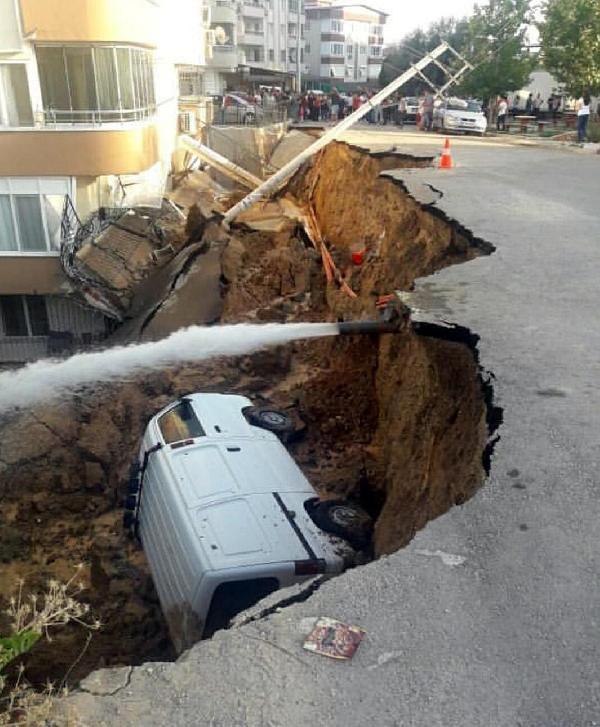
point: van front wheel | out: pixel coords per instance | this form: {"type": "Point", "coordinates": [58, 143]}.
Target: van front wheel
{"type": "Point", "coordinates": [270, 419]}
{"type": "Point", "coordinates": [347, 521]}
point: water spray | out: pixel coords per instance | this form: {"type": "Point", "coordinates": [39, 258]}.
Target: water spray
{"type": "Point", "coordinates": [46, 380]}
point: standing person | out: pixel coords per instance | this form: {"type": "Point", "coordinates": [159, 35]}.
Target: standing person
{"type": "Point", "coordinates": [303, 108]}
{"type": "Point", "coordinates": [529, 105]}
{"type": "Point", "coordinates": [420, 112]}
{"type": "Point", "coordinates": [401, 112]}
{"type": "Point", "coordinates": [428, 111]}
{"type": "Point", "coordinates": [537, 105]}
{"type": "Point", "coordinates": [317, 108]}
{"type": "Point", "coordinates": [583, 108]}
{"type": "Point", "coordinates": [502, 111]}
{"type": "Point", "coordinates": [556, 108]}
{"type": "Point", "coordinates": [335, 107]}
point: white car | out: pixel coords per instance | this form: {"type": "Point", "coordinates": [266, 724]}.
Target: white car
{"type": "Point", "coordinates": [225, 515]}
{"type": "Point", "coordinates": [456, 114]}
{"type": "Point", "coordinates": [239, 108]}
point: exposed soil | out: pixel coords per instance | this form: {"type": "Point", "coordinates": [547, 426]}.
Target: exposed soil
{"type": "Point", "coordinates": [397, 422]}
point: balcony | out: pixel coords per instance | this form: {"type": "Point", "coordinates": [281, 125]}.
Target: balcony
{"type": "Point", "coordinates": [134, 21]}
{"type": "Point", "coordinates": [225, 57]}
{"type": "Point", "coordinates": [223, 12]}
{"type": "Point", "coordinates": [251, 38]}
{"type": "Point", "coordinates": [254, 9]}
{"type": "Point", "coordinates": [74, 152]}
{"type": "Point", "coordinates": [40, 276]}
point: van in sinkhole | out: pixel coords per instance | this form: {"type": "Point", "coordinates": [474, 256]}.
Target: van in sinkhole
{"type": "Point", "coordinates": [225, 516]}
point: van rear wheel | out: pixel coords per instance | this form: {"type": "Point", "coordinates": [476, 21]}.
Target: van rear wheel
{"type": "Point", "coordinates": [347, 521]}
{"type": "Point", "coordinates": [270, 419]}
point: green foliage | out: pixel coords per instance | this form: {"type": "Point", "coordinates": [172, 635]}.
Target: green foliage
{"type": "Point", "coordinates": [16, 645]}
{"type": "Point", "coordinates": [493, 39]}
{"type": "Point", "coordinates": [571, 43]}
{"type": "Point", "coordinates": [497, 43]}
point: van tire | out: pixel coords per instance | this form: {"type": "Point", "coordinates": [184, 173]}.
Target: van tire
{"type": "Point", "coordinates": [339, 517]}
{"type": "Point", "coordinates": [270, 419]}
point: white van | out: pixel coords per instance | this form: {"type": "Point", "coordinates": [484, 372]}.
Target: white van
{"type": "Point", "coordinates": [224, 514]}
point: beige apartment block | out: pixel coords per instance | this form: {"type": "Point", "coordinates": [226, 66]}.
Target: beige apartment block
{"type": "Point", "coordinates": [89, 95]}
{"type": "Point", "coordinates": [344, 44]}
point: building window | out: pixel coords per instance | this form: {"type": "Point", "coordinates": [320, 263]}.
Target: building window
{"type": "Point", "coordinates": [15, 103]}
{"type": "Point", "coordinates": [293, 6]}
{"type": "Point", "coordinates": [307, 48]}
{"type": "Point", "coordinates": [363, 50]}
{"type": "Point", "coordinates": [271, 55]}
{"type": "Point", "coordinates": [376, 50]}
{"type": "Point", "coordinates": [283, 56]}
{"type": "Point", "coordinates": [337, 26]}
{"type": "Point", "coordinates": [30, 214]}
{"type": "Point", "coordinates": [190, 82]}
{"type": "Point", "coordinates": [24, 315]}
{"type": "Point", "coordinates": [95, 84]}
{"type": "Point", "coordinates": [349, 52]}
{"type": "Point", "coordinates": [337, 49]}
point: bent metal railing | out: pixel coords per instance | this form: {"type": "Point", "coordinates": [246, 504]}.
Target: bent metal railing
{"type": "Point", "coordinates": [74, 233]}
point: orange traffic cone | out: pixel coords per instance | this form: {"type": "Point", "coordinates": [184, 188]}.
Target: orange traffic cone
{"type": "Point", "coordinates": [446, 158]}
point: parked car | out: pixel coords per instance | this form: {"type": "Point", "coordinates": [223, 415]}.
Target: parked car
{"type": "Point", "coordinates": [225, 515]}
{"type": "Point", "coordinates": [239, 108]}
{"type": "Point", "coordinates": [456, 114]}
{"type": "Point", "coordinates": [412, 108]}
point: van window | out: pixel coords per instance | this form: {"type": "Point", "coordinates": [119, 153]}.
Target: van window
{"type": "Point", "coordinates": [232, 598]}
{"type": "Point", "coordinates": [180, 423]}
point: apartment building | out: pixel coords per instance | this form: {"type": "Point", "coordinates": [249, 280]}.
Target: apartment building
{"type": "Point", "coordinates": [344, 44]}
{"type": "Point", "coordinates": [254, 41]}
{"type": "Point", "coordinates": [88, 118]}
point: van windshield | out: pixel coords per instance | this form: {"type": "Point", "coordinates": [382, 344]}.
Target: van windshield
{"type": "Point", "coordinates": [180, 423]}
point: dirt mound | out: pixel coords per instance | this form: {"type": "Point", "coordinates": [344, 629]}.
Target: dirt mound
{"type": "Point", "coordinates": [397, 422]}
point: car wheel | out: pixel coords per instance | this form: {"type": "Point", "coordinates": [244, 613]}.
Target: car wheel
{"type": "Point", "coordinates": [343, 519]}
{"type": "Point", "coordinates": [270, 419]}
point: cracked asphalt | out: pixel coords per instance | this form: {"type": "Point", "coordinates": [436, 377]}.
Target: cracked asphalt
{"type": "Point", "coordinates": [491, 615]}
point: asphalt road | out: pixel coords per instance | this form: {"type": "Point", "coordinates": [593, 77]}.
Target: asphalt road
{"type": "Point", "coordinates": [506, 633]}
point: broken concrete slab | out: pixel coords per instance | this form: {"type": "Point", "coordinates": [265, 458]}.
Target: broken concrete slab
{"type": "Point", "coordinates": [289, 147]}
{"type": "Point", "coordinates": [115, 250]}
{"type": "Point", "coordinates": [272, 215]}
{"type": "Point", "coordinates": [194, 300]}
{"type": "Point", "coordinates": [198, 188]}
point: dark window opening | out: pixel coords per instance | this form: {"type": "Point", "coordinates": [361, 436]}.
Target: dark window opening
{"type": "Point", "coordinates": [13, 315]}
{"type": "Point", "coordinates": [38, 315]}
{"type": "Point", "coordinates": [232, 598]}
{"type": "Point", "coordinates": [180, 423]}
{"type": "Point", "coordinates": [24, 315]}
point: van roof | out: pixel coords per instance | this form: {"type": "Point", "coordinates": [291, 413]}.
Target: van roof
{"type": "Point", "coordinates": [236, 483]}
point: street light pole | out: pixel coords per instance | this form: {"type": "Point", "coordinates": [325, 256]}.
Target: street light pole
{"type": "Point", "coordinates": [298, 38]}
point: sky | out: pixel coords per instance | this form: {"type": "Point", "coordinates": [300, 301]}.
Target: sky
{"type": "Point", "coordinates": [407, 15]}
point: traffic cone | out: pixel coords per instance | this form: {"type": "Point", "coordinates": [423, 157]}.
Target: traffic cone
{"type": "Point", "coordinates": [446, 158]}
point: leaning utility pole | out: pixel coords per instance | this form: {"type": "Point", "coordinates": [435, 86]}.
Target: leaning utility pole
{"type": "Point", "coordinates": [272, 184]}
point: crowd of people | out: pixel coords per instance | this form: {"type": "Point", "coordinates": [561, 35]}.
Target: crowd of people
{"type": "Point", "coordinates": [318, 106]}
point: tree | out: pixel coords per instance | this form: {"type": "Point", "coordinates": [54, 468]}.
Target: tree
{"type": "Point", "coordinates": [493, 39]}
{"type": "Point", "coordinates": [498, 47]}
{"type": "Point", "coordinates": [570, 36]}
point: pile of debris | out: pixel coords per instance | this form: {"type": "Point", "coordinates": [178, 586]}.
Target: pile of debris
{"type": "Point", "coordinates": [117, 248]}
